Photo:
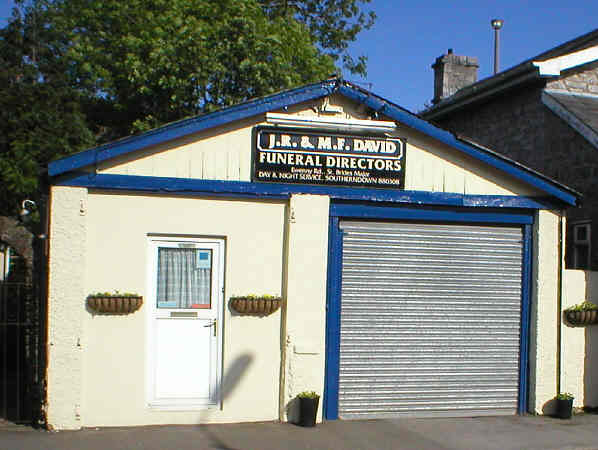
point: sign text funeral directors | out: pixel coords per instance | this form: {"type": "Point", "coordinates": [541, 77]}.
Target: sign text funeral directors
{"type": "Point", "coordinates": [298, 156]}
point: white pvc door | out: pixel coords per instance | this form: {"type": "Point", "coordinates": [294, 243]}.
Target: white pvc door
{"type": "Point", "coordinates": [184, 322]}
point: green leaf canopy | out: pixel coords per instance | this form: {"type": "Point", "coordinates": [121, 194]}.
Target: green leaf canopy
{"type": "Point", "coordinates": [147, 62]}
{"type": "Point", "coordinates": [76, 73]}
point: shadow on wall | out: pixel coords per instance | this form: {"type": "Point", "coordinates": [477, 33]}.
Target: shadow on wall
{"type": "Point", "coordinates": [590, 372]}
{"type": "Point", "coordinates": [230, 381]}
{"type": "Point", "coordinates": [292, 409]}
{"type": "Point", "coordinates": [549, 408]}
{"type": "Point", "coordinates": [579, 357]}
{"type": "Point", "coordinates": [590, 366]}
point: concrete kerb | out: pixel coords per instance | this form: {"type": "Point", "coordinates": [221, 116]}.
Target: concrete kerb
{"type": "Point", "coordinates": [508, 432]}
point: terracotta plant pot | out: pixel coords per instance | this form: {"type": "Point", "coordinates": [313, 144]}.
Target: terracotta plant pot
{"type": "Point", "coordinates": [582, 318]}
{"type": "Point", "coordinates": [257, 306]}
{"type": "Point", "coordinates": [114, 305]}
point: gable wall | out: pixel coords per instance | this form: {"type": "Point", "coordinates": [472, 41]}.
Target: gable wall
{"type": "Point", "coordinates": [224, 153]}
{"type": "Point", "coordinates": [512, 124]}
{"type": "Point", "coordinates": [518, 125]}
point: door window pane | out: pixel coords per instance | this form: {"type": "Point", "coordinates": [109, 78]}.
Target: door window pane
{"type": "Point", "coordinates": [184, 277]}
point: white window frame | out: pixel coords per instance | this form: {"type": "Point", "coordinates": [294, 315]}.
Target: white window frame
{"type": "Point", "coordinates": [579, 243]}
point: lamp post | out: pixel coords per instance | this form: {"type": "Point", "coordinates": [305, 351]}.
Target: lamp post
{"type": "Point", "coordinates": [497, 25]}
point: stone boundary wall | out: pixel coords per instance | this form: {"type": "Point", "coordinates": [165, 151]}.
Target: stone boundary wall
{"type": "Point", "coordinates": [577, 81]}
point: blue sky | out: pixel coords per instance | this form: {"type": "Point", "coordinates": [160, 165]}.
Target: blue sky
{"type": "Point", "coordinates": [408, 36]}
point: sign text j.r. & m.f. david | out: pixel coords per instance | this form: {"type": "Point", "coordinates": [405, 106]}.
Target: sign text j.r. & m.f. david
{"type": "Point", "coordinates": [297, 156]}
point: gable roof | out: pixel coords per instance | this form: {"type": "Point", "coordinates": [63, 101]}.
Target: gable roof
{"type": "Point", "coordinates": [191, 125]}
{"type": "Point", "coordinates": [550, 63]}
{"type": "Point", "coordinates": [291, 97]}
{"type": "Point", "coordinates": [580, 111]}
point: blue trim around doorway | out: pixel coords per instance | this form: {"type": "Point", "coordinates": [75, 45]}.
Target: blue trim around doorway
{"type": "Point", "coordinates": [333, 319]}
{"type": "Point", "coordinates": [359, 211]}
{"type": "Point", "coordinates": [333, 301]}
{"type": "Point", "coordinates": [525, 319]}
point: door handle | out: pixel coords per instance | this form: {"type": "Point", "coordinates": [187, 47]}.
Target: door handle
{"type": "Point", "coordinates": [214, 324]}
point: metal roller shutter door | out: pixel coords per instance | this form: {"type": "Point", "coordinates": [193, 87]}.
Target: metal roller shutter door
{"type": "Point", "coordinates": [430, 320]}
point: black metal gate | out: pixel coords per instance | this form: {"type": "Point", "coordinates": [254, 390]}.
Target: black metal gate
{"type": "Point", "coordinates": [20, 387]}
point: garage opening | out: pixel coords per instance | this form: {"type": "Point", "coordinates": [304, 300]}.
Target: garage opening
{"type": "Point", "coordinates": [430, 319]}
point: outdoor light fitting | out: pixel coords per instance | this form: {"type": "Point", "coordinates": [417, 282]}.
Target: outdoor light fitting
{"type": "Point", "coordinates": [26, 207]}
{"type": "Point", "coordinates": [497, 23]}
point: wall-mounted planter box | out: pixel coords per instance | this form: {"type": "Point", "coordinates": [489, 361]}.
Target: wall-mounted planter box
{"type": "Point", "coordinates": [255, 306]}
{"type": "Point", "coordinates": [582, 318]}
{"type": "Point", "coordinates": [114, 304]}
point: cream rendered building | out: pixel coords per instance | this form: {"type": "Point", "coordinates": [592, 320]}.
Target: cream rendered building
{"type": "Point", "coordinates": [419, 272]}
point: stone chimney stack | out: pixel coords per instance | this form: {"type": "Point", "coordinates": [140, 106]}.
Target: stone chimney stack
{"type": "Point", "coordinates": [453, 72]}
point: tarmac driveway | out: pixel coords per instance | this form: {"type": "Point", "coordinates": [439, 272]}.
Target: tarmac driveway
{"type": "Point", "coordinates": [513, 432]}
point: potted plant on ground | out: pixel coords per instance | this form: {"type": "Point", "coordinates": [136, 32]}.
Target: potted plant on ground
{"type": "Point", "coordinates": [564, 405]}
{"type": "Point", "coordinates": [114, 303]}
{"type": "Point", "coordinates": [585, 313]}
{"type": "Point", "coordinates": [308, 408]}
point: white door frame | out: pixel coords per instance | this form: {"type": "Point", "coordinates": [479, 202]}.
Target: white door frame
{"type": "Point", "coordinates": [202, 315]}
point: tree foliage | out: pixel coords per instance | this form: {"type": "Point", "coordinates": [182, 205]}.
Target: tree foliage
{"type": "Point", "coordinates": [334, 24]}
{"type": "Point", "coordinates": [75, 73]}
{"type": "Point", "coordinates": [40, 113]}
{"type": "Point", "coordinates": [147, 62]}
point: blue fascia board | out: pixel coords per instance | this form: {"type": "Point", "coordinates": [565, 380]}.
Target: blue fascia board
{"type": "Point", "coordinates": [188, 126]}
{"type": "Point", "coordinates": [185, 186]}
{"type": "Point", "coordinates": [474, 215]}
{"type": "Point", "coordinates": [287, 98]}
{"type": "Point", "coordinates": [412, 121]}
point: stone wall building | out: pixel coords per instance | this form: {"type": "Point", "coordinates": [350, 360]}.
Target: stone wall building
{"type": "Point", "coordinates": [542, 113]}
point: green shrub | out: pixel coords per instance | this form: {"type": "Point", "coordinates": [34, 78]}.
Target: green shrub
{"type": "Point", "coordinates": [308, 394]}
{"type": "Point", "coordinates": [257, 297]}
{"type": "Point", "coordinates": [565, 396]}
{"type": "Point", "coordinates": [583, 306]}
{"type": "Point", "coordinates": [114, 294]}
